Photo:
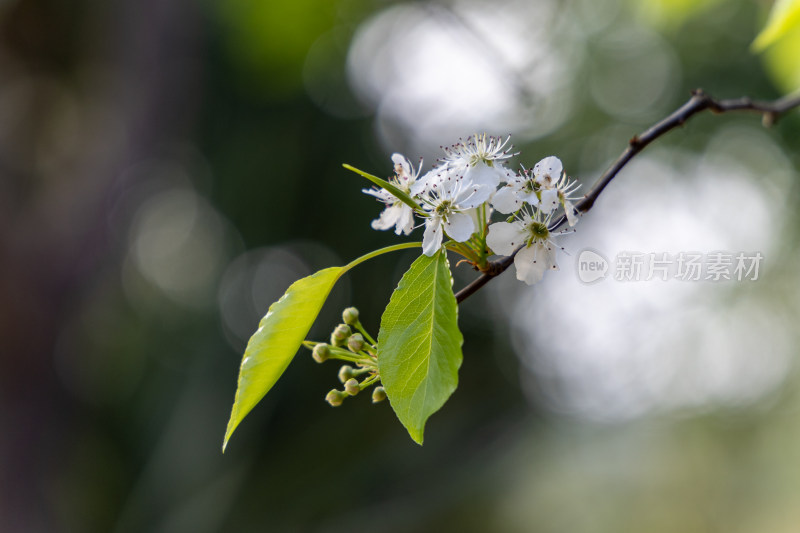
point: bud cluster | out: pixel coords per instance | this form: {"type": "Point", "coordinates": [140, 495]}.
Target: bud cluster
{"type": "Point", "coordinates": [350, 342]}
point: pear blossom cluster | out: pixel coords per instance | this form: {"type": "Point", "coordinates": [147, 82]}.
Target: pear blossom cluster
{"type": "Point", "coordinates": [470, 183]}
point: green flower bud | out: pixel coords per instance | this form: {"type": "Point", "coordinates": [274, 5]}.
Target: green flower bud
{"type": "Point", "coordinates": [335, 398]}
{"type": "Point", "coordinates": [351, 386]}
{"type": "Point", "coordinates": [340, 335]}
{"type": "Point", "coordinates": [346, 372]}
{"type": "Point", "coordinates": [355, 342]}
{"type": "Point", "coordinates": [378, 394]}
{"type": "Point", "coordinates": [320, 353]}
{"type": "Point", "coordinates": [350, 316]}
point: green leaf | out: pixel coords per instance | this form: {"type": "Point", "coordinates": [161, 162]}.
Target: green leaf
{"type": "Point", "coordinates": [784, 16]}
{"type": "Point", "coordinates": [419, 345]}
{"type": "Point", "coordinates": [383, 184]}
{"type": "Point", "coordinates": [280, 333]}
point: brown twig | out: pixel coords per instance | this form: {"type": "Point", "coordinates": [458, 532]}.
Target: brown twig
{"type": "Point", "coordinates": [699, 101]}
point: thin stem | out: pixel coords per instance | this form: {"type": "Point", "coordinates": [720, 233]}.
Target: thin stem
{"type": "Point", "coordinates": [369, 354]}
{"type": "Point", "coordinates": [382, 251]}
{"type": "Point", "coordinates": [462, 250]}
{"type": "Point", "coordinates": [343, 357]}
{"type": "Point", "coordinates": [481, 240]}
{"type": "Point", "coordinates": [699, 102]}
{"type": "Point", "coordinates": [363, 331]}
{"type": "Point", "coordinates": [369, 381]}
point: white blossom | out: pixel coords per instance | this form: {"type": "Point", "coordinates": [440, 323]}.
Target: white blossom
{"type": "Point", "coordinates": [448, 199]}
{"type": "Point", "coordinates": [521, 188]}
{"type": "Point", "coordinates": [545, 187]}
{"type": "Point", "coordinates": [556, 187]}
{"type": "Point", "coordinates": [480, 159]}
{"type": "Point", "coordinates": [455, 197]}
{"type": "Point", "coordinates": [529, 229]}
{"type": "Point", "coordinates": [397, 213]}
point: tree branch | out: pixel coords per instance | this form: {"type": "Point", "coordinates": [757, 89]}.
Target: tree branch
{"type": "Point", "coordinates": [699, 102]}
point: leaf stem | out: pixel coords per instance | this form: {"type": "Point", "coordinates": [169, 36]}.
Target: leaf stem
{"type": "Point", "coordinates": [463, 250]}
{"type": "Point", "coordinates": [343, 355]}
{"type": "Point", "coordinates": [382, 251]}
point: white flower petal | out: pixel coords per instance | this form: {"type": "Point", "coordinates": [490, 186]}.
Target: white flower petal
{"type": "Point", "coordinates": [402, 165]}
{"type": "Point", "coordinates": [530, 264]}
{"type": "Point", "coordinates": [548, 170]}
{"type": "Point", "coordinates": [432, 238]}
{"type": "Point", "coordinates": [405, 222]}
{"type": "Point", "coordinates": [459, 226]}
{"type": "Point", "coordinates": [380, 194]}
{"type": "Point", "coordinates": [483, 174]}
{"type": "Point", "coordinates": [473, 196]}
{"type": "Point", "coordinates": [505, 237]}
{"type": "Point", "coordinates": [418, 187]}
{"type": "Point", "coordinates": [475, 215]}
{"type": "Point", "coordinates": [569, 210]}
{"type": "Point", "coordinates": [439, 187]}
{"type": "Point", "coordinates": [388, 217]}
{"type": "Point", "coordinates": [506, 200]}
{"type": "Point", "coordinates": [550, 256]}
{"type": "Point", "coordinates": [528, 197]}
{"type": "Point", "coordinates": [426, 182]}
{"type": "Point", "coordinates": [549, 200]}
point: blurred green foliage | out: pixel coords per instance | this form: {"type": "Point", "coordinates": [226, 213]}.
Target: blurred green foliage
{"type": "Point", "coordinates": [269, 41]}
{"type": "Point", "coordinates": [783, 18]}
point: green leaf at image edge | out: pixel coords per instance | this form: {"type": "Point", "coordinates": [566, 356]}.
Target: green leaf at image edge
{"type": "Point", "coordinates": [784, 16]}
{"type": "Point", "coordinates": [419, 344]}
{"type": "Point", "coordinates": [273, 346]}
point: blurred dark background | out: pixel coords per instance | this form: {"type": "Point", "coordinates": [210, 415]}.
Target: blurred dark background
{"type": "Point", "coordinates": [167, 169]}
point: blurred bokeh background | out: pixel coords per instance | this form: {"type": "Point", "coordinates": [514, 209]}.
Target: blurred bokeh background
{"type": "Point", "coordinates": [167, 169]}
